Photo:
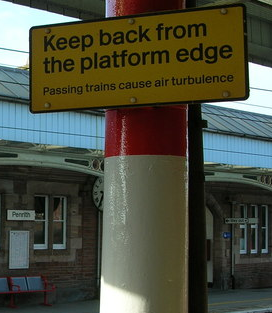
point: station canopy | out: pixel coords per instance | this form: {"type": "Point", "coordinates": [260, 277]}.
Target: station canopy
{"type": "Point", "coordinates": [259, 17]}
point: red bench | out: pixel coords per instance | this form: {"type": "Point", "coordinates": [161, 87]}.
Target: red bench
{"type": "Point", "coordinates": [25, 284]}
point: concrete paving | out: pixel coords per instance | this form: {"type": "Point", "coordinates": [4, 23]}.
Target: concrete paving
{"type": "Point", "coordinates": [240, 301]}
{"type": "Point", "coordinates": [229, 301]}
{"type": "Point", "coordinates": [72, 307]}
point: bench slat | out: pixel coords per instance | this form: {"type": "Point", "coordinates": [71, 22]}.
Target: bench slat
{"type": "Point", "coordinates": [35, 283]}
{"type": "Point", "coordinates": [4, 287]}
{"type": "Point", "coordinates": [20, 282]}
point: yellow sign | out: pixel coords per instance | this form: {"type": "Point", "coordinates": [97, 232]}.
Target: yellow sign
{"type": "Point", "coordinates": [172, 57]}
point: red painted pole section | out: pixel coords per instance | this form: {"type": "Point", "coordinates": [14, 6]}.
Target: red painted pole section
{"type": "Point", "coordinates": [145, 221]}
{"type": "Point", "coordinates": [130, 7]}
{"type": "Point", "coordinates": [149, 131]}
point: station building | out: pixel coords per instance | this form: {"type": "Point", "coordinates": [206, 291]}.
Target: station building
{"type": "Point", "coordinates": [51, 219]}
{"type": "Point", "coordinates": [48, 166]}
{"type": "Point", "coordinates": [238, 175]}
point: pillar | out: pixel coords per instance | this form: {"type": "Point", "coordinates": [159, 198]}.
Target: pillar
{"type": "Point", "coordinates": [145, 226]}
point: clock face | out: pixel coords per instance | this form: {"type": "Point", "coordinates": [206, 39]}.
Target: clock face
{"type": "Point", "coordinates": [98, 192]}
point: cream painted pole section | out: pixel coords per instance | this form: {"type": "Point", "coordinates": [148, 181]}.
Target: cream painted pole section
{"type": "Point", "coordinates": [145, 235]}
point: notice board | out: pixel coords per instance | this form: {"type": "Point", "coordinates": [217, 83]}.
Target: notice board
{"type": "Point", "coordinates": [18, 249]}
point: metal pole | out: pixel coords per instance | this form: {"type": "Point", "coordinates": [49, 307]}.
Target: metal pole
{"type": "Point", "coordinates": [145, 234]}
{"type": "Point", "coordinates": [198, 291]}
{"type": "Point", "coordinates": [197, 216]}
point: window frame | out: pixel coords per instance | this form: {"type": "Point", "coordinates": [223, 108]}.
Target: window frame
{"type": "Point", "coordinates": [265, 250]}
{"type": "Point", "coordinates": [243, 227]}
{"type": "Point", "coordinates": [64, 225]}
{"type": "Point", "coordinates": [49, 223]}
{"type": "Point", "coordinates": [46, 224]}
{"type": "Point", "coordinates": [260, 230]}
{"type": "Point", "coordinates": [254, 229]}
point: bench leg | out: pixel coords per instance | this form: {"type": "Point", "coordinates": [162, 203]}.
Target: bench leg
{"type": "Point", "coordinates": [12, 302]}
{"type": "Point", "coordinates": [45, 300]}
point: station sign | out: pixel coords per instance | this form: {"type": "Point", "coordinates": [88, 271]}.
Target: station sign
{"type": "Point", "coordinates": [183, 56]}
{"type": "Point", "coordinates": [241, 220]}
{"type": "Point", "coordinates": [21, 215]}
{"type": "Point", "coordinates": [227, 235]}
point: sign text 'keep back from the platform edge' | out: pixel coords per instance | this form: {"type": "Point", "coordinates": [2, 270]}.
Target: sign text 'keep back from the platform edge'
{"type": "Point", "coordinates": [164, 55]}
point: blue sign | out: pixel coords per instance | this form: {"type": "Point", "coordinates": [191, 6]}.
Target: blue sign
{"type": "Point", "coordinates": [226, 234]}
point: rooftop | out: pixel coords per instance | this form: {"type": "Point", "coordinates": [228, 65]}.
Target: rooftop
{"type": "Point", "coordinates": [236, 122]}
{"type": "Point", "coordinates": [14, 86]}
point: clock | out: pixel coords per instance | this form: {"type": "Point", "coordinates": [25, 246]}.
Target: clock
{"type": "Point", "coordinates": [98, 192]}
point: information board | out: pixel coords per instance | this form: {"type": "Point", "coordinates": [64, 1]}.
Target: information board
{"type": "Point", "coordinates": [19, 249]}
{"type": "Point", "coordinates": [183, 56]}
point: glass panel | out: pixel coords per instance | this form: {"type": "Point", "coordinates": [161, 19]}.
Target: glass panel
{"type": "Point", "coordinates": [242, 211]}
{"type": "Point", "coordinates": [264, 228]}
{"type": "Point", "coordinates": [243, 228]}
{"type": "Point", "coordinates": [59, 222]}
{"type": "Point", "coordinates": [242, 240]}
{"type": "Point", "coordinates": [264, 239]}
{"type": "Point", "coordinates": [39, 206]}
{"type": "Point", "coordinates": [263, 216]}
{"type": "Point", "coordinates": [254, 211]}
{"type": "Point", "coordinates": [58, 209]}
{"type": "Point", "coordinates": [253, 239]}
{"type": "Point", "coordinates": [39, 233]}
{"type": "Point", "coordinates": [58, 233]}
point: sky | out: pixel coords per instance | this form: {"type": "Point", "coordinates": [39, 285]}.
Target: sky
{"type": "Point", "coordinates": [16, 20]}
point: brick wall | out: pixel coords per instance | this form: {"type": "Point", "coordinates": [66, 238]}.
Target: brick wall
{"type": "Point", "coordinates": [250, 270]}
{"type": "Point", "coordinates": [257, 275]}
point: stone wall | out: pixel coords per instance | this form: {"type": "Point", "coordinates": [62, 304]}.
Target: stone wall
{"type": "Point", "coordinates": [73, 270]}
{"type": "Point", "coordinates": [250, 270]}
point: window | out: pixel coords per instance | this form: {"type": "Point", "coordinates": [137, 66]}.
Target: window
{"type": "Point", "coordinates": [243, 230]}
{"type": "Point", "coordinates": [264, 228]}
{"type": "Point", "coordinates": [254, 230]}
{"type": "Point", "coordinates": [41, 222]}
{"type": "Point", "coordinates": [50, 214]}
{"type": "Point", "coordinates": [254, 235]}
{"type": "Point", "coordinates": [59, 222]}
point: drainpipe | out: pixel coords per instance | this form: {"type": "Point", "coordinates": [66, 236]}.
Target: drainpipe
{"type": "Point", "coordinates": [233, 204]}
{"type": "Point", "coordinates": [99, 239]}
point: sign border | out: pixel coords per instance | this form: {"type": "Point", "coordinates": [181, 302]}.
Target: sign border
{"type": "Point", "coordinates": [99, 108]}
